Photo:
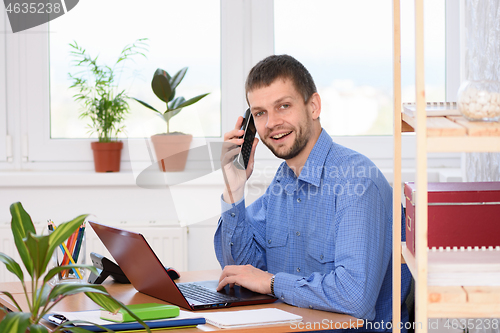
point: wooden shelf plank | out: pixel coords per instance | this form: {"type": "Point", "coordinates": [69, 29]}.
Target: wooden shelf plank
{"type": "Point", "coordinates": [477, 128]}
{"type": "Point", "coordinates": [446, 295]}
{"type": "Point", "coordinates": [442, 126]}
{"type": "Point", "coordinates": [464, 302]}
{"type": "Point", "coordinates": [483, 294]}
{"type": "Point", "coordinates": [456, 127]}
{"type": "Point", "coordinates": [436, 126]}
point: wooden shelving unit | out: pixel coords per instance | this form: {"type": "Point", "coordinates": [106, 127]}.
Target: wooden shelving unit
{"type": "Point", "coordinates": [433, 134]}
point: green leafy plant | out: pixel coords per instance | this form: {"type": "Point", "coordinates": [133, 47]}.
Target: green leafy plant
{"type": "Point", "coordinates": [36, 252]}
{"type": "Point", "coordinates": [103, 103]}
{"type": "Point", "coordinates": [164, 87]}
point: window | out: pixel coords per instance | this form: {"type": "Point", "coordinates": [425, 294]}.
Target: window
{"type": "Point", "coordinates": [243, 33]}
{"type": "Point", "coordinates": [347, 46]}
{"type": "Point", "coordinates": [180, 34]}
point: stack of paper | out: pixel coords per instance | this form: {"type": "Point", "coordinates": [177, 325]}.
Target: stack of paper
{"type": "Point", "coordinates": [464, 267]}
{"type": "Point", "coordinates": [243, 318]}
{"type": "Point", "coordinates": [433, 109]}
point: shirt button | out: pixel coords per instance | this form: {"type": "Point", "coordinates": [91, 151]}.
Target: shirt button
{"type": "Point", "coordinates": [231, 243]}
{"type": "Point", "coordinates": [298, 233]}
{"type": "Point", "coordinates": [321, 257]}
{"type": "Point", "coordinates": [299, 200]}
{"type": "Point", "coordinates": [298, 269]}
{"type": "Point", "coordinates": [233, 214]}
{"type": "Point", "coordinates": [310, 306]}
{"type": "Point", "coordinates": [269, 241]}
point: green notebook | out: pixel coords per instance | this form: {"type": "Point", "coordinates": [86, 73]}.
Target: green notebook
{"type": "Point", "coordinates": [146, 311]}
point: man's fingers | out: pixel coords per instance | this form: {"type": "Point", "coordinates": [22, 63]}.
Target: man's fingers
{"type": "Point", "coordinates": [239, 123]}
{"type": "Point", "coordinates": [233, 134]}
{"type": "Point", "coordinates": [228, 280]}
{"type": "Point", "coordinates": [227, 272]}
{"type": "Point", "coordinates": [236, 132]}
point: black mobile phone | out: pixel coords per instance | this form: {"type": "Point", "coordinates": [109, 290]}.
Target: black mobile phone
{"type": "Point", "coordinates": [241, 160]}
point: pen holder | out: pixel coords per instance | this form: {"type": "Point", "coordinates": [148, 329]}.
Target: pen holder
{"type": "Point", "coordinates": [72, 252]}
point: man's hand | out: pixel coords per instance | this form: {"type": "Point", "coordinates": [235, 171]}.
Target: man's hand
{"type": "Point", "coordinates": [233, 177]}
{"type": "Point", "coordinates": [246, 276]}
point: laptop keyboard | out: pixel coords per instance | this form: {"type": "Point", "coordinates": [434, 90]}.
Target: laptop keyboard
{"type": "Point", "coordinates": [204, 295]}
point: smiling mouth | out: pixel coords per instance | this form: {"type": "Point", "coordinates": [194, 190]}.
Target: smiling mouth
{"type": "Point", "coordinates": [281, 135]}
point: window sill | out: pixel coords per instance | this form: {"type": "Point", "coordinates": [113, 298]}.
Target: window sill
{"type": "Point", "coordinates": [64, 178]}
{"type": "Point", "coordinates": [25, 179]}
{"type": "Point", "coordinates": [93, 179]}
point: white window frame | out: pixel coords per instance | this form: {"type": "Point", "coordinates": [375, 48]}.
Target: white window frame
{"type": "Point", "coordinates": [247, 36]}
{"type": "Point", "coordinates": [5, 141]}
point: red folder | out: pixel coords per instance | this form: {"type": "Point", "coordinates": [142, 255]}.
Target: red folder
{"type": "Point", "coordinates": [459, 214]}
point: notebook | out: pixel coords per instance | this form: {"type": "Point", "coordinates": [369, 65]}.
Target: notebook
{"type": "Point", "coordinates": [148, 275]}
{"type": "Point", "coordinates": [185, 319]}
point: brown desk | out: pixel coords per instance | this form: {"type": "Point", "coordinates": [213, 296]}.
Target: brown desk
{"type": "Point", "coordinates": [312, 319]}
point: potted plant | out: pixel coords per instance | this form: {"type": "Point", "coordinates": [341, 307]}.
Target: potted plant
{"type": "Point", "coordinates": [103, 103]}
{"type": "Point", "coordinates": [171, 148]}
{"type": "Point", "coordinates": [36, 252]}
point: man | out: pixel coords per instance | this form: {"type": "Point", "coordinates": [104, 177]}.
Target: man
{"type": "Point", "coordinates": [321, 235]}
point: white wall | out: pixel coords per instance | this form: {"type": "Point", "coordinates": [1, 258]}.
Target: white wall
{"type": "Point", "coordinates": [115, 199]}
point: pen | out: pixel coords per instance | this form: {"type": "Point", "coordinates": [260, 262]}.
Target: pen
{"type": "Point", "coordinates": [79, 241]}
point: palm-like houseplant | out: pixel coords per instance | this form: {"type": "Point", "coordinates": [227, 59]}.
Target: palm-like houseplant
{"type": "Point", "coordinates": [36, 252]}
{"type": "Point", "coordinates": [171, 148]}
{"type": "Point", "coordinates": [103, 103]}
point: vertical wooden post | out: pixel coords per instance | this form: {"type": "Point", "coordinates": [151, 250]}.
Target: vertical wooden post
{"type": "Point", "coordinates": [421, 179]}
{"type": "Point", "coordinates": [396, 194]}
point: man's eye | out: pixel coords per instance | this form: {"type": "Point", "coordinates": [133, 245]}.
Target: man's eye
{"type": "Point", "coordinates": [258, 114]}
{"type": "Point", "coordinates": [284, 106]}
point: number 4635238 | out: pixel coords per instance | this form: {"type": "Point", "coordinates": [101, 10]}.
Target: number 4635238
{"type": "Point", "coordinates": [476, 323]}
{"type": "Point", "coordinates": [33, 8]}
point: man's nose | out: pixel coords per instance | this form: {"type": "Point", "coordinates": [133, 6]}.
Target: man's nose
{"type": "Point", "coordinates": [273, 119]}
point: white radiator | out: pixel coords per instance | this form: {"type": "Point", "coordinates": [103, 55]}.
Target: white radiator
{"type": "Point", "coordinates": [168, 242]}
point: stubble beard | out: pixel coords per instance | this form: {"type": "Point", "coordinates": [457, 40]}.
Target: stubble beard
{"type": "Point", "coordinates": [302, 137]}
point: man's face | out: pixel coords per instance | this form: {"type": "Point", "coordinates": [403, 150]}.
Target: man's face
{"type": "Point", "coordinates": [282, 119]}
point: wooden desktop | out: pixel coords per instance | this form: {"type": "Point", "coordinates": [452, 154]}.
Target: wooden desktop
{"type": "Point", "coordinates": [312, 319]}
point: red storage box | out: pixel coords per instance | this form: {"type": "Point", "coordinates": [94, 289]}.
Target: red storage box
{"type": "Point", "coordinates": [459, 214]}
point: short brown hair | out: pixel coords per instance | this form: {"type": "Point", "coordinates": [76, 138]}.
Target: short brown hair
{"type": "Point", "coordinates": [266, 71]}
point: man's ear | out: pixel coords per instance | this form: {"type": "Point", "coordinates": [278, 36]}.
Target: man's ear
{"type": "Point", "coordinates": [314, 104]}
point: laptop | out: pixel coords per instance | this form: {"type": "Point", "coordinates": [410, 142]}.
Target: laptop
{"type": "Point", "coordinates": [148, 275]}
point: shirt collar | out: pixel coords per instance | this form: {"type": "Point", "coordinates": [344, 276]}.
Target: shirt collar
{"type": "Point", "coordinates": [313, 168]}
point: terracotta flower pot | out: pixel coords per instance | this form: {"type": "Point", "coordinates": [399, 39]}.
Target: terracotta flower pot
{"type": "Point", "coordinates": [171, 150]}
{"type": "Point", "coordinates": [107, 156]}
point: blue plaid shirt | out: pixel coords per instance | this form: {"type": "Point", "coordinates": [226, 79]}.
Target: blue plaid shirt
{"type": "Point", "coordinates": [327, 235]}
